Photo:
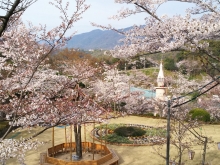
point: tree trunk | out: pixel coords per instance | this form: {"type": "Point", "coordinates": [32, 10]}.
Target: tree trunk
{"type": "Point", "coordinates": [180, 155]}
{"type": "Point", "coordinates": [78, 140]}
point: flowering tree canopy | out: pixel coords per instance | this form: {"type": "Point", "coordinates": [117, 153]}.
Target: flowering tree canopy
{"type": "Point", "coordinates": [166, 33]}
{"type": "Point", "coordinates": [30, 92]}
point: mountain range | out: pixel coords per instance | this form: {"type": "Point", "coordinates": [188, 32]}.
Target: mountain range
{"type": "Point", "coordinates": [95, 39]}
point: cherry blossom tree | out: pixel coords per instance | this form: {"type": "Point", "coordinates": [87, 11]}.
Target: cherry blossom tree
{"type": "Point", "coordinates": [190, 32]}
{"type": "Point", "coordinates": [30, 91]}
{"type": "Point", "coordinates": [185, 135]}
{"type": "Point", "coordinates": [76, 109]}
{"type": "Point", "coordinates": [185, 96]}
{"type": "Point", "coordinates": [13, 148]}
{"type": "Point", "coordinates": [112, 88]}
{"type": "Point", "coordinates": [166, 33]}
{"type": "Point", "coordinates": [114, 91]}
{"type": "Point", "coordinates": [12, 12]}
{"type": "Point", "coordinates": [83, 108]}
{"type": "Point", "coordinates": [211, 103]}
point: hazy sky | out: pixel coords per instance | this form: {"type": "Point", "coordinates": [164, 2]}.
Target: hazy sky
{"type": "Point", "coordinates": [99, 12]}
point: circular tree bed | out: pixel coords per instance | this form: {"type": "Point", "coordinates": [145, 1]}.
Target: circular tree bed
{"type": "Point", "coordinates": [131, 134]}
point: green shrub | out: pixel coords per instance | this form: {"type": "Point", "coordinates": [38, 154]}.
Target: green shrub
{"type": "Point", "coordinates": [157, 115]}
{"type": "Point", "coordinates": [150, 114]}
{"type": "Point", "coordinates": [114, 138]}
{"type": "Point", "coordinates": [180, 56]}
{"type": "Point", "coordinates": [169, 64]}
{"type": "Point", "coordinates": [199, 114]}
{"type": "Point", "coordinates": [129, 131]}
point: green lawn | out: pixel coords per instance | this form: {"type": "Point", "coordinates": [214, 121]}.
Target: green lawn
{"type": "Point", "coordinates": [131, 155]}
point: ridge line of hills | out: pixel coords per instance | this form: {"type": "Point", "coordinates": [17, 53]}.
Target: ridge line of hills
{"type": "Point", "coordinates": [96, 39]}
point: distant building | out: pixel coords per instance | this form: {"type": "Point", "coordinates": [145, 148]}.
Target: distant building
{"type": "Point", "coordinates": [160, 90]}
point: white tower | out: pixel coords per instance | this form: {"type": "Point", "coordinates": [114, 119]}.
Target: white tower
{"type": "Point", "coordinates": [160, 89]}
{"type": "Point", "coordinates": [160, 77]}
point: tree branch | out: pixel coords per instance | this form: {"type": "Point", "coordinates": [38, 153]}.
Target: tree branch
{"type": "Point", "coordinates": [7, 17]}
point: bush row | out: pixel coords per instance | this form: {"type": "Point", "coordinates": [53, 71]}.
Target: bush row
{"type": "Point", "coordinates": [199, 114]}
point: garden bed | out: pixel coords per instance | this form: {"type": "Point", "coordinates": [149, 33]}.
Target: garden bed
{"type": "Point", "coordinates": [130, 134]}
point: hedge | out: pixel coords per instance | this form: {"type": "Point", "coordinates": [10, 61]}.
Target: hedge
{"type": "Point", "coordinates": [199, 114]}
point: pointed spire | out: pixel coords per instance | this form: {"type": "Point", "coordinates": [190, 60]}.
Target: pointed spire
{"type": "Point", "coordinates": [160, 77]}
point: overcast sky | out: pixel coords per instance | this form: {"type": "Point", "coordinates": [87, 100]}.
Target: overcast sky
{"type": "Point", "coordinates": [99, 12]}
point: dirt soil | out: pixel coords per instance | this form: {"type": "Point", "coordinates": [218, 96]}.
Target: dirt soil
{"type": "Point", "coordinates": [85, 156]}
{"type": "Point", "coordinates": [129, 155]}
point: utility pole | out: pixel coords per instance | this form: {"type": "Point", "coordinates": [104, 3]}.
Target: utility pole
{"type": "Point", "coordinates": [168, 132]}
{"type": "Point", "coordinates": [204, 150]}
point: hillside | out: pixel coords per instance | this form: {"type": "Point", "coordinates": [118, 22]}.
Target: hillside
{"type": "Point", "coordinates": [96, 39]}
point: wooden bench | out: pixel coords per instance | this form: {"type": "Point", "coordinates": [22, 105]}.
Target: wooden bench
{"type": "Point", "coordinates": [114, 160]}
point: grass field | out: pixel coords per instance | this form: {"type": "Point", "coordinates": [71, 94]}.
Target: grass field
{"type": "Point", "coordinates": [129, 155]}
